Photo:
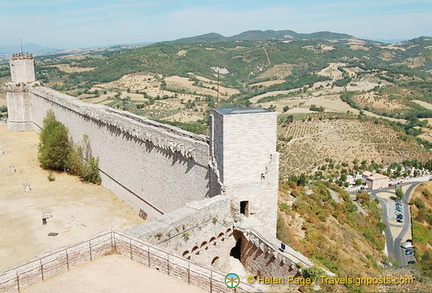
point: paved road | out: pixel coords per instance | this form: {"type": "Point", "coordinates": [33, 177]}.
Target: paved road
{"type": "Point", "coordinates": [334, 195]}
{"type": "Point", "coordinates": [388, 207]}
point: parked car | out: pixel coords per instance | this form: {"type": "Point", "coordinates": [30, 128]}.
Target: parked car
{"type": "Point", "coordinates": [409, 252]}
{"type": "Point", "coordinates": [399, 218]}
{"type": "Point", "coordinates": [407, 245]}
{"type": "Point", "coordinates": [399, 208]}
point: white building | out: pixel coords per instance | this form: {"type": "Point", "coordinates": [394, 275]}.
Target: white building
{"type": "Point", "coordinates": [377, 181]}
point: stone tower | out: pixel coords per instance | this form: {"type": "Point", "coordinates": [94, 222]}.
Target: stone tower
{"type": "Point", "coordinates": [18, 101]}
{"type": "Point", "coordinates": [243, 144]}
{"type": "Point", "coordinates": [22, 68]}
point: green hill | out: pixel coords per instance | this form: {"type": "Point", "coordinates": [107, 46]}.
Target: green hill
{"type": "Point", "coordinates": [258, 35]}
{"type": "Point", "coordinates": [283, 70]}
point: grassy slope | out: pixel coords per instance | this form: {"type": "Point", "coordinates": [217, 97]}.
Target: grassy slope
{"type": "Point", "coordinates": [333, 235]}
{"type": "Point", "coordinates": [421, 210]}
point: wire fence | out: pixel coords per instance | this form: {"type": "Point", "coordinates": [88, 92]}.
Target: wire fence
{"type": "Point", "coordinates": [62, 260]}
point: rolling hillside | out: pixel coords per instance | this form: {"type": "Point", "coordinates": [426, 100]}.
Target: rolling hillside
{"type": "Point", "coordinates": [343, 103]}
{"type": "Point", "coordinates": [294, 74]}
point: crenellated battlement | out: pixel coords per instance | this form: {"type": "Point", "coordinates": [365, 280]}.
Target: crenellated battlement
{"type": "Point", "coordinates": [20, 56]}
{"type": "Point", "coordinates": [162, 136]}
{"type": "Point", "coordinates": [20, 86]}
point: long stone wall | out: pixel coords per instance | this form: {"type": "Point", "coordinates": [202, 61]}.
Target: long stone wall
{"type": "Point", "coordinates": [154, 167]}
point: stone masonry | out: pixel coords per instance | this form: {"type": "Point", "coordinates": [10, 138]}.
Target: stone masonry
{"type": "Point", "coordinates": [201, 192]}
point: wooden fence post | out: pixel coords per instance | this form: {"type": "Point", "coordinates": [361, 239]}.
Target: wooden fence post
{"type": "Point", "coordinates": [67, 260]}
{"type": "Point", "coordinates": [188, 272]}
{"type": "Point", "coordinates": [41, 267]}
{"type": "Point", "coordinates": [168, 267]}
{"type": "Point", "coordinates": [91, 257]}
{"type": "Point", "coordinates": [17, 279]}
{"type": "Point", "coordinates": [211, 283]}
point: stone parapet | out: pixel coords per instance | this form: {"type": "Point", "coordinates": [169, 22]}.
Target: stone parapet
{"type": "Point", "coordinates": [163, 136]}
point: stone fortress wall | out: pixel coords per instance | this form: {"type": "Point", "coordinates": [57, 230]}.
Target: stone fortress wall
{"type": "Point", "coordinates": [152, 166]}
{"type": "Point", "coordinates": [202, 193]}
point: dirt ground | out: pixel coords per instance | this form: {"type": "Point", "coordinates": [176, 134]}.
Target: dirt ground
{"type": "Point", "coordinates": [423, 104]}
{"type": "Point", "coordinates": [113, 273]}
{"type": "Point", "coordinates": [79, 210]}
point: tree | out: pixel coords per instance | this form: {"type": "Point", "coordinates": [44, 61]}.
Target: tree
{"type": "Point", "coordinates": [399, 193]}
{"type": "Point", "coordinates": [284, 109]}
{"type": "Point", "coordinates": [289, 118]}
{"type": "Point", "coordinates": [57, 153]}
{"type": "Point", "coordinates": [54, 146]}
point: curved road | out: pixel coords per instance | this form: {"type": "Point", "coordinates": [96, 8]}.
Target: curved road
{"type": "Point", "coordinates": [388, 206]}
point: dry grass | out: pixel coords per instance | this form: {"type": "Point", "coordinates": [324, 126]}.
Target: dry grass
{"type": "Point", "coordinates": [78, 210]}
{"type": "Point", "coordinates": [268, 83]}
{"type": "Point", "coordinates": [67, 68]}
{"type": "Point", "coordinates": [332, 71]}
{"type": "Point", "coordinates": [424, 105]}
{"type": "Point", "coordinates": [376, 101]}
{"type": "Point", "coordinates": [180, 90]}
{"type": "Point", "coordinates": [306, 144]}
{"type": "Point", "coordinates": [278, 71]}
{"type": "Point", "coordinates": [332, 239]}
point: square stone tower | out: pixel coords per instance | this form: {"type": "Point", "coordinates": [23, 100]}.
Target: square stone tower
{"type": "Point", "coordinates": [18, 100]}
{"type": "Point", "coordinates": [243, 144]}
{"type": "Point", "coordinates": [22, 68]}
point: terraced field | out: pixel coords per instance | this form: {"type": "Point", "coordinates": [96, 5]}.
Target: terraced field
{"type": "Point", "coordinates": [307, 144]}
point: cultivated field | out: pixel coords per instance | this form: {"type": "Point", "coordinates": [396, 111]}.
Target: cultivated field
{"type": "Point", "coordinates": [75, 210]}
{"type": "Point", "coordinates": [174, 98]}
{"type": "Point", "coordinates": [378, 102]}
{"type": "Point", "coordinates": [70, 69]}
{"type": "Point", "coordinates": [305, 144]}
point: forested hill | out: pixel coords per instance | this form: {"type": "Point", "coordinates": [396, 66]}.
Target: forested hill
{"type": "Point", "coordinates": [257, 35]}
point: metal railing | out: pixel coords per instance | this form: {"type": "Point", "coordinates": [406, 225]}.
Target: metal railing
{"type": "Point", "coordinates": [61, 260]}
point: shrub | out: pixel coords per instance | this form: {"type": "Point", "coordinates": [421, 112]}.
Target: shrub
{"type": "Point", "coordinates": [54, 146]}
{"type": "Point", "coordinates": [316, 108]}
{"type": "Point", "coordinates": [421, 216]}
{"type": "Point", "coordinates": [419, 203]}
{"type": "Point", "coordinates": [313, 272]}
{"type": "Point", "coordinates": [51, 177]}
{"type": "Point", "coordinates": [426, 193]}
{"type": "Point", "coordinates": [57, 153]}
{"type": "Point", "coordinates": [88, 170]}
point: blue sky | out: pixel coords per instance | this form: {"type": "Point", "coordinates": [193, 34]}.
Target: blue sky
{"type": "Point", "coordinates": [88, 23]}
